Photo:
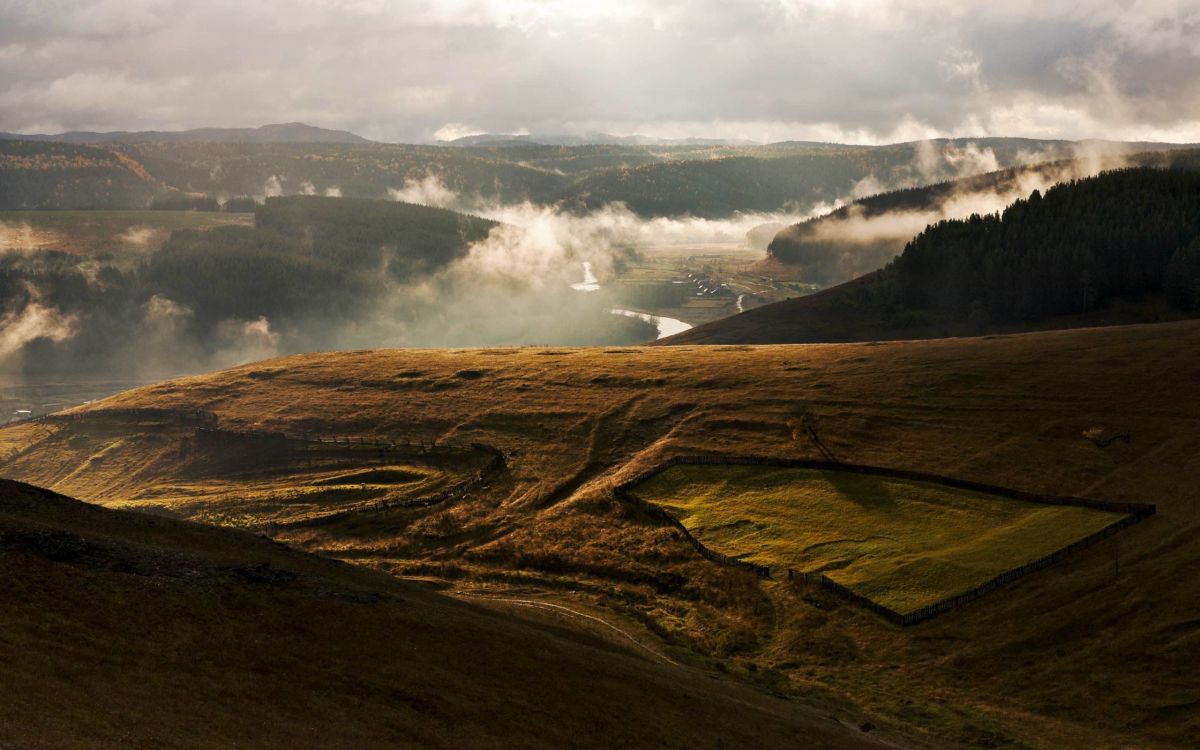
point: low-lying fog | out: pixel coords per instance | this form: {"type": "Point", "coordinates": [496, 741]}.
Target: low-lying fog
{"type": "Point", "coordinates": [543, 276]}
{"type": "Point", "coordinates": [524, 284]}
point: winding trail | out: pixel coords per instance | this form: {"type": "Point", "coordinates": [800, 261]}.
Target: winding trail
{"type": "Point", "coordinates": [558, 608]}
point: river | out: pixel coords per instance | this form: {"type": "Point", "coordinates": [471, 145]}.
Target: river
{"type": "Point", "coordinates": [666, 326]}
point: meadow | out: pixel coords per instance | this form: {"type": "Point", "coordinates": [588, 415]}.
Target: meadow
{"type": "Point", "coordinates": [901, 543]}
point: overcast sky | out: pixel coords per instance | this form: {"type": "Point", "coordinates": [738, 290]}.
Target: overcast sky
{"type": "Point", "coordinates": [854, 71]}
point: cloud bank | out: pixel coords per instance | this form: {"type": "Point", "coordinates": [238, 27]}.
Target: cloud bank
{"type": "Point", "coordinates": [852, 71]}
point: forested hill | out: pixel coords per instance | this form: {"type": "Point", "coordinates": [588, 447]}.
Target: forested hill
{"type": "Point", "coordinates": [63, 175]}
{"type": "Point", "coordinates": [867, 234]}
{"type": "Point", "coordinates": [1120, 247]}
{"type": "Point", "coordinates": [1121, 236]}
{"type": "Point", "coordinates": [712, 181]}
{"type": "Point", "coordinates": [312, 268]}
{"type": "Point", "coordinates": [357, 232]}
{"type": "Point", "coordinates": [308, 257]}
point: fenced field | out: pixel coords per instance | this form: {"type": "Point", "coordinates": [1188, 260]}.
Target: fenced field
{"type": "Point", "coordinates": [907, 547]}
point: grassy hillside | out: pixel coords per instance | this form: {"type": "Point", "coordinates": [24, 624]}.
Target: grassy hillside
{"type": "Point", "coordinates": [124, 630]}
{"type": "Point", "coordinates": [1016, 411]}
{"type": "Point", "coordinates": [900, 543]}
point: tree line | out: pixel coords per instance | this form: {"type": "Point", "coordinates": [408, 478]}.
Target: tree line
{"type": "Point", "coordinates": [1127, 234]}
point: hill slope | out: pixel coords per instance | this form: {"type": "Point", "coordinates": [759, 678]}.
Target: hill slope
{"type": "Point", "coordinates": [868, 233]}
{"type": "Point", "coordinates": [709, 180]}
{"type": "Point", "coordinates": [797, 177]}
{"type": "Point", "coordinates": [1096, 654]}
{"type": "Point", "coordinates": [120, 630]}
{"type": "Point", "coordinates": [1120, 247]}
{"type": "Point", "coordinates": [311, 268]}
{"type": "Point", "coordinates": [60, 175]}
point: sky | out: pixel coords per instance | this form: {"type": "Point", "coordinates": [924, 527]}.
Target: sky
{"type": "Point", "coordinates": [855, 71]}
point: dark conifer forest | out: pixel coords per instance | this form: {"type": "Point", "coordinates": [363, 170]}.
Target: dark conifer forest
{"type": "Point", "coordinates": [1124, 235]}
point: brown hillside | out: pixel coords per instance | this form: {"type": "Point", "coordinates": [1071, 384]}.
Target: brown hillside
{"type": "Point", "coordinates": [1097, 651]}
{"type": "Point", "coordinates": [125, 630]}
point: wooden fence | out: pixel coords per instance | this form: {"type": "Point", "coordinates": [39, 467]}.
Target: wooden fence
{"type": "Point", "coordinates": [1133, 513]}
{"type": "Point", "coordinates": [341, 441]}
{"type": "Point", "coordinates": [184, 417]}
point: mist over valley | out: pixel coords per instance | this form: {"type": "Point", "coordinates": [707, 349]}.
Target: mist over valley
{"type": "Point", "coordinates": [551, 374]}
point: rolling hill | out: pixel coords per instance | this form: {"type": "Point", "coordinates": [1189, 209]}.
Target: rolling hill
{"type": "Point", "coordinates": [711, 180]}
{"type": "Point", "coordinates": [170, 290]}
{"type": "Point", "coordinates": [586, 139]}
{"type": "Point", "coordinates": [1116, 248]}
{"type": "Point", "coordinates": [800, 176]}
{"type": "Point", "coordinates": [152, 294]}
{"type": "Point", "coordinates": [1025, 411]}
{"type": "Point", "coordinates": [61, 175]}
{"type": "Point", "coordinates": [121, 629]}
{"type": "Point", "coordinates": [868, 233]}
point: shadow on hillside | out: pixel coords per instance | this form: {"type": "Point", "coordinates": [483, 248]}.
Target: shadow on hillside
{"type": "Point", "coordinates": [866, 490]}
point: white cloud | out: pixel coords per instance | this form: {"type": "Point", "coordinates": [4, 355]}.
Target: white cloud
{"type": "Point", "coordinates": [861, 70]}
{"type": "Point", "coordinates": [34, 321]}
{"type": "Point", "coordinates": [454, 130]}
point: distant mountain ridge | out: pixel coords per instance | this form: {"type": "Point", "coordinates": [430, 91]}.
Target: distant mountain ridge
{"type": "Point", "coordinates": [588, 139]}
{"type": "Point", "coordinates": [709, 181]}
{"type": "Point", "coordinates": [289, 132]}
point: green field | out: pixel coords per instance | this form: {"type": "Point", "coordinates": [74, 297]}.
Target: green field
{"type": "Point", "coordinates": [901, 543]}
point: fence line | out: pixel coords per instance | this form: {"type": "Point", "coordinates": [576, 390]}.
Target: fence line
{"type": "Point", "coordinates": [1134, 512]}
{"type": "Point", "coordinates": [346, 441]}
{"type": "Point", "coordinates": [199, 417]}
{"type": "Point", "coordinates": [206, 424]}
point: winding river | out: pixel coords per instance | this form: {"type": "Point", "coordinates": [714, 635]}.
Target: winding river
{"type": "Point", "coordinates": [666, 326]}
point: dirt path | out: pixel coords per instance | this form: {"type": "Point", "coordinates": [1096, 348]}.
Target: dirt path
{"type": "Point", "coordinates": [560, 609]}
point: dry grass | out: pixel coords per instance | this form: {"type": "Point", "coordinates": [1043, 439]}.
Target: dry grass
{"type": "Point", "coordinates": [122, 630]}
{"type": "Point", "coordinates": [1090, 658]}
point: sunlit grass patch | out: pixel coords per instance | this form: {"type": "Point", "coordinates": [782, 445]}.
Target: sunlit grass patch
{"type": "Point", "coordinates": [904, 544]}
